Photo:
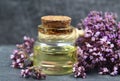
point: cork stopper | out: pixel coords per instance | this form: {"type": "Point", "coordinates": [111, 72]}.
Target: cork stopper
{"type": "Point", "coordinates": [56, 21]}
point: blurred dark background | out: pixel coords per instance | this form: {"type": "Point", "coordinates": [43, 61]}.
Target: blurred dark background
{"type": "Point", "coordinates": [21, 17]}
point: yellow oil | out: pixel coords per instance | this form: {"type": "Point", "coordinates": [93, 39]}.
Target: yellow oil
{"type": "Point", "coordinates": [55, 58]}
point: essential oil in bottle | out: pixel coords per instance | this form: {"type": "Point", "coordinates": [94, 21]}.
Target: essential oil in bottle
{"type": "Point", "coordinates": [54, 51]}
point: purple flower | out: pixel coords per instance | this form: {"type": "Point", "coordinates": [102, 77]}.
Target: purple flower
{"type": "Point", "coordinates": [100, 45]}
{"type": "Point", "coordinates": [22, 53]}
{"type": "Point", "coordinates": [32, 72]}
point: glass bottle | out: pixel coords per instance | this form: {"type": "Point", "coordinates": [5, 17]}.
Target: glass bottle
{"type": "Point", "coordinates": [54, 51]}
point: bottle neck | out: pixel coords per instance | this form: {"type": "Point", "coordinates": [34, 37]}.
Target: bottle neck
{"type": "Point", "coordinates": [55, 31]}
{"type": "Point", "coordinates": [70, 34]}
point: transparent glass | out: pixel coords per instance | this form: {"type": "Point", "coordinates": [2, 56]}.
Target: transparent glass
{"type": "Point", "coordinates": [54, 51]}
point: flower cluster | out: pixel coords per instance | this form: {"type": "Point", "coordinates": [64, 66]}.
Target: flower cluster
{"type": "Point", "coordinates": [100, 45]}
{"type": "Point", "coordinates": [33, 72]}
{"type": "Point", "coordinates": [21, 56]}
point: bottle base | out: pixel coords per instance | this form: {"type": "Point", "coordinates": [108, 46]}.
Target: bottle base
{"type": "Point", "coordinates": [57, 70]}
